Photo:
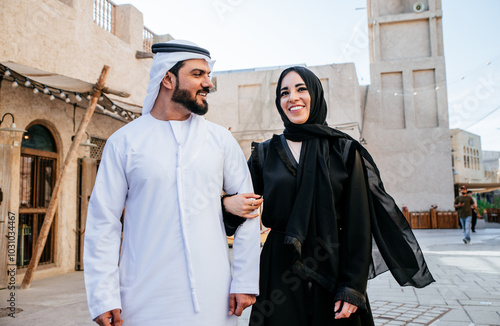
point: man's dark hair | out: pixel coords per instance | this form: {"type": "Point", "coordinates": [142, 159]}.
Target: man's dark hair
{"type": "Point", "coordinates": [176, 67]}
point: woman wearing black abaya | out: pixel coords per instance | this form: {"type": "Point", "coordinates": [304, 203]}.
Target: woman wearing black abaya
{"type": "Point", "coordinates": [324, 203]}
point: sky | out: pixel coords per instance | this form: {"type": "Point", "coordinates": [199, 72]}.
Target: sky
{"type": "Point", "coordinates": [242, 34]}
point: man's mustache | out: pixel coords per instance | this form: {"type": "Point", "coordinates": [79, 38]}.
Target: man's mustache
{"type": "Point", "coordinates": [204, 90]}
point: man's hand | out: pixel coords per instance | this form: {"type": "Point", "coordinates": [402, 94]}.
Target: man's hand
{"type": "Point", "coordinates": [110, 318]}
{"type": "Point", "coordinates": [347, 310]}
{"type": "Point", "coordinates": [242, 205]}
{"type": "Point", "coordinates": [238, 302]}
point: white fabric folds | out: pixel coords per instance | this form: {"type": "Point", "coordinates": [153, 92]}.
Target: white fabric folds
{"type": "Point", "coordinates": [174, 267]}
{"type": "Point", "coordinates": [162, 63]}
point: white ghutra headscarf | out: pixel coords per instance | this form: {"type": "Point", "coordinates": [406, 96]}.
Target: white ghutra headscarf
{"type": "Point", "coordinates": [167, 55]}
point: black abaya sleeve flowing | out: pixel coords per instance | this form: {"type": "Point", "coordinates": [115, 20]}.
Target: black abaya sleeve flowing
{"type": "Point", "coordinates": [355, 235]}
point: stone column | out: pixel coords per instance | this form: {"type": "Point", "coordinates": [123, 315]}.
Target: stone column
{"type": "Point", "coordinates": [129, 26]}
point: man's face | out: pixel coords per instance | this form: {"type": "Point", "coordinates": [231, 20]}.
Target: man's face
{"type": "Point", "coordinates": [193, 85]}
{"type": "Point", "coordinates": [463, 192]}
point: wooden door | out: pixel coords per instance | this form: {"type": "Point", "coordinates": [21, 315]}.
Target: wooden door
{"type": "Point", "coordinates": [37, 180]}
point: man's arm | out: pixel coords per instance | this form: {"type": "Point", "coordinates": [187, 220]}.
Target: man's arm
{"type": "Point", "coordinates": [110, 318]}
{"type": "Point", "coordinates": [457, 204]}
{"type": "Point", "coordinates": [246, 246]}
{"type": "Point", "coordinates": [102, 236]}
{"type": "Point", "coordinates": [476, 209]}
{"type": "Point", "coordinates": [238, 303]}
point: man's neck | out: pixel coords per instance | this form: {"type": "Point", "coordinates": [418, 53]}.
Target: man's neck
{"type": "Point", "coordinates": [170, 111]}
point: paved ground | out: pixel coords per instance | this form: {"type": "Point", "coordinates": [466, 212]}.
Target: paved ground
{"type": "Point", "coordinates": [467, 291]}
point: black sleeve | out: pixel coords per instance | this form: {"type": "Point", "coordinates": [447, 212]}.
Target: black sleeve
{"type": "Point", "coordinates": [355, 236]}
{"type": "Point", "coordinates": [232, 222]}
{"type": "Point", "coordinates": [255, 166]}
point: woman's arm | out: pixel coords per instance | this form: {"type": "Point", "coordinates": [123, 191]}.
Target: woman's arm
{"type": "Point", "coordinates": [238, 207]}
{"type": "Point", "coordinates": [244, 205]}
{"type": "Point", "coordinates": [355, 237]}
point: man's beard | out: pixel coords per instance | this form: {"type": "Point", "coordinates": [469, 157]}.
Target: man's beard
{"type": "Point", "coordinates": [183, 97]}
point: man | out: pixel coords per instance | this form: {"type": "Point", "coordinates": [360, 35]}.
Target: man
{"type": "Point", "coordinates": [475, 212]}
{"type": "Point", "coordinates": [168, 169]}
{"type": "Point", "coordinates": [464, 204]}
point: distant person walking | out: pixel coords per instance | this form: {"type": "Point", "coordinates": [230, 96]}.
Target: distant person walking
{"type": "Point", "coordinates": [475, 212]}
{"type": "Point", "coordinates": [464, 204]}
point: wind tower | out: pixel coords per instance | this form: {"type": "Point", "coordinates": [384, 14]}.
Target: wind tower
{"type": "Point", "coordinates": [406, 115]}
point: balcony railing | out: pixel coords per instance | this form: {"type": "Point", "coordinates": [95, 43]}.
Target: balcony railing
{"type": "Point", "coordinates": [147, 39]}
{"type": "Point", "coordinates": [104, 15]}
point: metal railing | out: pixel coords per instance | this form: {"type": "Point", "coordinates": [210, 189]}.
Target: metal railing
{"type": "Point", "coordinates": [104, 15]}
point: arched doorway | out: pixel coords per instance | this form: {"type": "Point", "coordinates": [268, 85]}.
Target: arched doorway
{"type": "Point", "coordinates": [37, 179]}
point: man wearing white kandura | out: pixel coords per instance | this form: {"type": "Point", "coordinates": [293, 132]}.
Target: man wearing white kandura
{"type": "Point", "coordinates": [168, 169]}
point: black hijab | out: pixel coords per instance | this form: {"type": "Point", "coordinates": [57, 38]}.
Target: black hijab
{"type": "Point", "coordinates": [313, 222]}
{"type": "Point", "coordinates": [313, 214]}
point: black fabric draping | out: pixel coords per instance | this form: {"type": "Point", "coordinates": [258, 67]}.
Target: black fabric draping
{"type": "Point", "coordinates": [287, 296]}
{"type": "Point", "coordinates": [314, 202]}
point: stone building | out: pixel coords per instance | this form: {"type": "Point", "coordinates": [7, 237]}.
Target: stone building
{"type": "Point", "coordinates": [402, 116]}
{"type": "Point", "coordinates": [473, 167]}
{"type": "Point", "coordinates": [491, 163]}
{"type": "Point", "coordinates": [51, 55]}
{"type": "Point", "coordinates": [467, 157]}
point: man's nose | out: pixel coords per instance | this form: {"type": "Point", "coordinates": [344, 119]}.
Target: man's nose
{"type": "Point", "coordinates": [207, 83]}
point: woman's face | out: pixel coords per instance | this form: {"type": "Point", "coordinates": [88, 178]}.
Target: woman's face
{"type": "Point", "coordinates": [294, 98]}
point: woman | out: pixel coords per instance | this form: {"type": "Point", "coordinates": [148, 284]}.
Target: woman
{"type": "Point", "coordinates": [324, 201]}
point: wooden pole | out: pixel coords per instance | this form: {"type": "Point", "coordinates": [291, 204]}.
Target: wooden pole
{"type": "Point", "coordinates": [107, 90]}
{"type": "Point", "coordinates": [51, 210]}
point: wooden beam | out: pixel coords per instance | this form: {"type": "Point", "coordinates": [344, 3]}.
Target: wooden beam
{"type": "Point", "coordinates": [51, 210]}
{"type": "Point", "coordinates": [108, 90]}
{"type": "Point", "coordinates": [144, 55]}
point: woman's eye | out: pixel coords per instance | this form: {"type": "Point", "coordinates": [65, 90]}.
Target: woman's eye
{"type": "Point", "coordinates": [301, 89]}
{"type": "Point", "coordinates": [284, 94]}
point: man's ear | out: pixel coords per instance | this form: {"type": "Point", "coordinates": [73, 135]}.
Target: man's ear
{"type": "Point", "coordinates": [167, 81]}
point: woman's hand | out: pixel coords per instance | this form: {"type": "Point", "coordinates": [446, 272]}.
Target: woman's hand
{"type": "Point", "coordinates": [243, 204]}
{"type": "Point", "coordinates": [347, 310]}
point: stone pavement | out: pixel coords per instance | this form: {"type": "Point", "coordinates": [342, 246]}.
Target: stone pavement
{"type": "Point", "coordinates": [466, 291]}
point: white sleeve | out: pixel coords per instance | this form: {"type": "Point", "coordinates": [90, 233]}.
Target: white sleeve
{"type": "Point", "coordinates": [246, 245]}
{"type": "Point", "coordinates": [103, 234]}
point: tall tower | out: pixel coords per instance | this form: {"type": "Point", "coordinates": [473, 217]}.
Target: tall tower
{"type": "Point", "coordinates": [406, 114]}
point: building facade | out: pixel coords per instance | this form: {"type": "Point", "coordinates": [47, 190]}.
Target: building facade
{"type": "Point", "coordinates": [406, 121]}
{"type": "Point", "coordinates": [47, 70]}
{"type": "Point", "coordinates": [491, 163]}
{"type": "Point", "coordinates": [467, 157]}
